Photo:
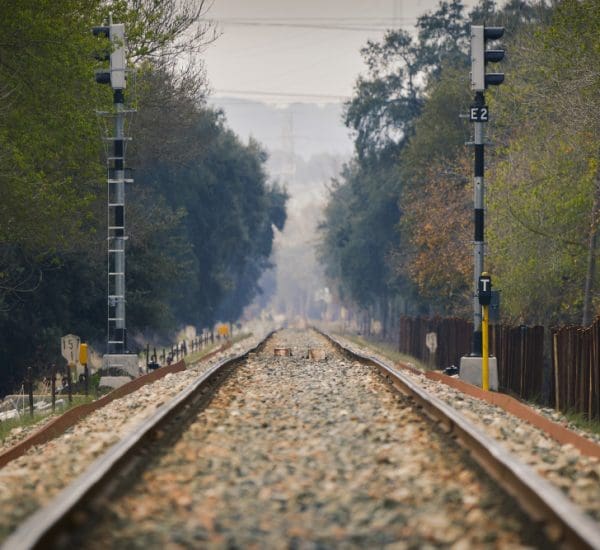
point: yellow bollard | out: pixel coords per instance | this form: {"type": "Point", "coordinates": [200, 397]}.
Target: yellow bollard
{"type": "Point", "coordinates": [485, 337]}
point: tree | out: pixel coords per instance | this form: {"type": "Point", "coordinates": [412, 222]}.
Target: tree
{"type": "Point", "coordinates": [443, 38]}
{"type": "Point", "coordinates": [163, 31]}
{"type": "Point", "coordinates": [438, 221]}
{"type": "Point", "coordinates": [387, 100]}
{"type": "Point", "coordinates": [358, 234]}
{"type": "Point", "coordinates": [406, 118]}
{"type": "Point", "coordinates": [202, 170]}
{"type": "Point", "coordinates": [573, 44]}
{"type": "Point", "coordinates": [543, 186]}
{"type": "Point", "coordinates": [365, 239]}
{"type": "Point", "coordinates": [52, 178]}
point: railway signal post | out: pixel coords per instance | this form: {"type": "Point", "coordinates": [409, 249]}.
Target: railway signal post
{"type": "Point", "coordinates": [471, 366]}
{"type": "Point", "coordinates": [115, 76]}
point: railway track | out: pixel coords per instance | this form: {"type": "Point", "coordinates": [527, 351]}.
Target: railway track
{"type": "Point", "coordinates": [278, 451]}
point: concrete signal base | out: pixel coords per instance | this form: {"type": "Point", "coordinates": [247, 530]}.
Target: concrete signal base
{"type": "Point", "coordinates": [470, 371]}
{"type": "Point", "coordinates": [127, 363]}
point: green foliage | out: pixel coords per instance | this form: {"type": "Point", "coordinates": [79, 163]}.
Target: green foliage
{"type": "Point", "coordinates": [162, 30]}
{"type": "Point", "coordinates": [546, 175]}
{"type": "Point", "coordinates": [447, 98]}
{"type": "Point", "coordinates": [218, 209]}
{"type": "Point", "coordinates": [358, 236]}
{"type": "Point", "coordinates": [363, 239]}
{"type": "Point", "coordinates": [579, 421]}
{"type": "Point", "coordinates": [220, 187]}
{"type": "Point", "coordinates": [539, 213]}
{"type": "Point", "coordinates": [542, 176]}
{"type": "Point", "coordinates": [387, 100]}
{"type": "Point", "coordinates": [47, 137]}
{"type": "Point", "coordinates": [25, 420]}
{"type": "Point", "coordinates": [387, 350]}
{"type": "Point", "coordinates": [437, 198]}
{"type": "Point", "coordinates": [200, 215]}
{"type": "Point", "coordinates": [443, 37]}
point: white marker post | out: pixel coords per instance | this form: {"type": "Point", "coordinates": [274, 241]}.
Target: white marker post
{"type": "Point", "coordinates": [69, 346]}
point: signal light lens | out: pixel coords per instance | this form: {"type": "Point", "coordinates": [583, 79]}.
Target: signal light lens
{"type": "Point", "coordinates": [494, 79]}
{"type": "Point", "coordinates": [493, 33]}
{"type": "Point", "coordinates": [102, 56]}
{"type": "Point", "coordinates": [103, 77]}
{"type": "Point", "coordinates": [101, 31]}
{"type": "Point", "coordinates": [494, 55]}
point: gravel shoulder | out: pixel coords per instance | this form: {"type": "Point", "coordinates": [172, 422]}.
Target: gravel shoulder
{"type": "Point", "coordinates": [20, 433]}
{"type": "Point", "coordinates": [296, 453]}
{"type": "Point", "coordinates": [32, 480]}
{"type": "Point", "coordinates": [576, 475]}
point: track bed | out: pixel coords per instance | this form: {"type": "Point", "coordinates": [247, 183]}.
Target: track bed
{"type": "Point", "coordinates": [302, 453]}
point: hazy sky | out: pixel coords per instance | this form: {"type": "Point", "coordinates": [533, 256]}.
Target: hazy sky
{"type": "Point", "coordinates": [306, 48]}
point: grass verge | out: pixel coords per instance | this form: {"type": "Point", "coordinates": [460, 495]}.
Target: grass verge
{"type": "Point", "coordinates": [579, 420]}
{"type": "Point", "coordinates": [198, 355]}
{"type": "Point", "coordinates": [387, 350]}
{"type": "Point", "coordinates": [25, 420]}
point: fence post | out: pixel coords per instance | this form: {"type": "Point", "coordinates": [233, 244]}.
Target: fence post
{"type": "Point", "coordinates": [29, 383]}
{"type": "Point", "coordinates": [53, 385]}
{"type": "Point", "coordinates": [69, 386]}
{"type": "Point", "coordinates": [86, 377]}
{"type": "Point", "coordinates": [555, 368]}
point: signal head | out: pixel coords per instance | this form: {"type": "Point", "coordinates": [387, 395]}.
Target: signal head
{"type": "Point", "coordinates": [480, 56]}
{"type": "Point", "coordinates": [493, 33]}
{"type": "Point", "coordinates": [101, 31]}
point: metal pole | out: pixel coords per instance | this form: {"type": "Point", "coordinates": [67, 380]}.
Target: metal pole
{"type": "Point", "coordinates": [117, 336]}
{"type": "Point", "coordinates": [479, 240]}
{"type": "Point", "coordinates": [53, 382]}
{"type": "Point", "coordinates": [69, 386]}
{"type": "Point", "coordinates": [485, 364]}
{"type": "Point", "coordinates": [30, 389]}
{"type": "Point", "coordinates": [86, 375]}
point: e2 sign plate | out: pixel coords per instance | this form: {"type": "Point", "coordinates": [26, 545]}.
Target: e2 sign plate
{"type": "Point", "coordinates": [479, 114]}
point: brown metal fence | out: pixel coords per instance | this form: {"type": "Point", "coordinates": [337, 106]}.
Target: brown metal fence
{"type": "Point", "coordinates": [570, 383]}
{"type": "Point", "coordinates": [576, 369]}
{"type": "Point", "coordinates": [453, 339]}
{"type": "Point", "coordinates": [520, 356]}
{"type": "Point", "coordinates": [519, 350]}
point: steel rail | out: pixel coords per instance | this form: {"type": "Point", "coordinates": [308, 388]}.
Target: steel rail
{"type": "Point", "coordinates": [49, 524]}
{"type": "Point", "coordinates": [538, 498]}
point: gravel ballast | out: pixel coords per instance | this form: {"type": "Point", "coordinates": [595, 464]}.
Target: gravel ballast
{"type": "Point", "coordinates": [576, 475]}
{"type": "Point", "coordinates": [300, 453]}
{"type": "Point", "coordinates": [32, 480]}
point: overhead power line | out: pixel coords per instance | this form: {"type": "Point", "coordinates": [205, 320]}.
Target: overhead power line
{"type": "Point", "coordinates": [283, 94]}
{"type": "Point", "coordinates": [322, 26]}
{"type": "Point", "coordinates": [375, 19]}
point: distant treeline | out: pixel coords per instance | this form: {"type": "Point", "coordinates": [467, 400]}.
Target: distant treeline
{"type": "Point", "coordinates": [199, 215]}
{"type": "Point", "coordinates": [398, 227]}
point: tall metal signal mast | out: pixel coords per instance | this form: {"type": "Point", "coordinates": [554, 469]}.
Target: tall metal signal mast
{"type": "Point", "coordinates": [471, 367]}
{"type": "Point", "coordinates": [115, 76]}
